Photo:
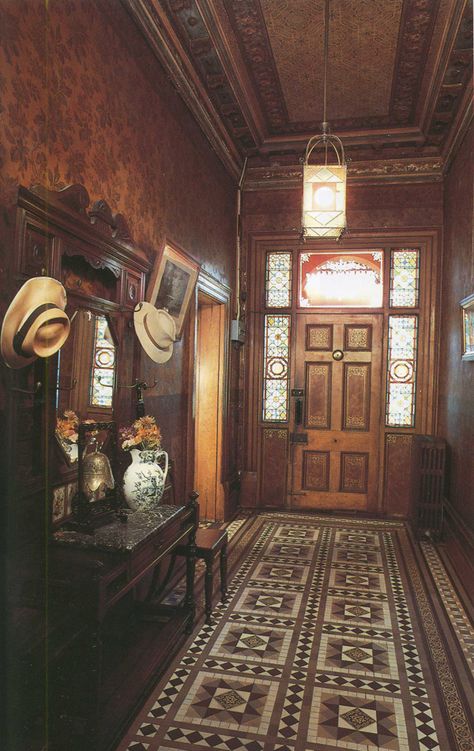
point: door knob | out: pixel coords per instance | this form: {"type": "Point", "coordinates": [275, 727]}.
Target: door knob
{"type": "Point", "coordinates": [338, 354]}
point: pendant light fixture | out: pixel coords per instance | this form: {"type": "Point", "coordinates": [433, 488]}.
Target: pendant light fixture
{"type": "Point", "coordinates": [324, 185]}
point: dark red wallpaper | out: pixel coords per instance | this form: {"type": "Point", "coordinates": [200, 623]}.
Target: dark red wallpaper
{"type": "Point", "coordinates": [456, 415]}
{"type": "Point", "coordinates": [85, 101]}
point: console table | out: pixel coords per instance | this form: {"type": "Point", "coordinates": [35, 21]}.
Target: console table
{"type": "Point", "coordinates": [121, 636]}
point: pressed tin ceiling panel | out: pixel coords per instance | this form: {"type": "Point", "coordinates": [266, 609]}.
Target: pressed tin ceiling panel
{"type": "Point", "coordinates": [362, 50]}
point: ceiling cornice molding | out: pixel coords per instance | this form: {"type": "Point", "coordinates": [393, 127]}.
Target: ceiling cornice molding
{"type": "Point", "coordinates": [234, 68]}
{"type": "Point", "coordinates": [463, 120]}
{"type": "Point", "coordinates": [152, 22]}
{"type": "Point", "coordinates": [287, 177]}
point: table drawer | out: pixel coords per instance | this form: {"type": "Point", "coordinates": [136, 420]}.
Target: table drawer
{"type": "Point", "coordinates": [160, 545]}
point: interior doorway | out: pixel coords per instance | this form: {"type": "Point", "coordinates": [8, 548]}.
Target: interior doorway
{"type": "Point", "coordinates": [209, 381]}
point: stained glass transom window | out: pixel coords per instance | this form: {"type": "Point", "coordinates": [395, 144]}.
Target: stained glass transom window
{"type": "Point", "coordinates": [278, 280]}
{"type": "Point", "coordinates": [404, 278]}
{"type": "Point", "coordinates": [401, 372]}
{"type": "Point", "coordinates": [276, 355]}
{"type": "Point", "coordinates": [103, 365]}
{"type": "Point", "coordinates": [341, 279]}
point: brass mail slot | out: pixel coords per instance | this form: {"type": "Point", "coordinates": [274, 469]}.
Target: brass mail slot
{"type": "Point", "coordinates": [298, 438]}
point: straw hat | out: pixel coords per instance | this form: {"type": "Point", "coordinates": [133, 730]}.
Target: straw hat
{"type": "Point", "coordinates": [156, 331]}
{"type": "Point", "coordinates": [35, 324]}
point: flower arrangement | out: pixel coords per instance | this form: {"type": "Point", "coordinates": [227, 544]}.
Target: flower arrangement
{"type": "Point", "coordinates": [143, 434]}
{"type": "Point", "coordinates": [67, 427]}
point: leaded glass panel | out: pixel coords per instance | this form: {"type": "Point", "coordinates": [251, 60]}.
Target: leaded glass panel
{"type": "Point", "coordinates": [401, 372]}
{"type": "Point", "coordinates": [341, 280]}
{"type": "Point", "coordinates": [276, 356]}
{"type": "Point", "coordinates": [103, 365]}
{"type": "Point", "coordinates": [278, 280]}
{"type": "Point", "coordinates": [404, 278]}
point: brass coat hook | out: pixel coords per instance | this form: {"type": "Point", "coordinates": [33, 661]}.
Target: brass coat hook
{"type": "Point", "coordinates": [28, 392]}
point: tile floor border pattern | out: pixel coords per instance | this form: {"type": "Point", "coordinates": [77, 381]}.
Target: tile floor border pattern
{"type": "Point", "coordinates": [462, 728]}
{"type": "Point", "coordinates": [457, 615]}
{"type": "Point", "coordinates": [291, 712]}
{"type": "Point", "coordinates": [186, 737]}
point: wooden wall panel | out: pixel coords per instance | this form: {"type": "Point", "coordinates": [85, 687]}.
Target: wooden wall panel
{"type": "Point", "coordinates": [397, 496]}
{"type": "Point", "coordinates": [318, 395]}
{"type": "Point", "coordinates": [356, 404]}
{"type": "Point", "coordinates": [456, 400]}
{"type": "Point", "coordinates": [274, 463]}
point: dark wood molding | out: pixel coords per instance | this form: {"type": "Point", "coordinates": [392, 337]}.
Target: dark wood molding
{"type": "Point", "coordinates": [284, 176]}
{"type": "Point", "coordinates": [67, 210]}
{"type": "Point", "coordinates": [458, 547]}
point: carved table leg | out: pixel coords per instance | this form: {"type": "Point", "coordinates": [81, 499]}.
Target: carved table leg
{"type": "Point", "coordinates": [223, 565]}
{"type": "Point", "coordinates": [208, 589]}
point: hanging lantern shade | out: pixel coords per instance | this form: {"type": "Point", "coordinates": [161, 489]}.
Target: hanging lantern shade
{"type": "Point", "coordinates": [324, 193]}
{"type": "Point", "coordinates": [324, 185]}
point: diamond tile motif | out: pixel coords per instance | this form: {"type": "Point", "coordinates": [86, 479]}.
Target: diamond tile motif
{"type": "Point", "coordinates": [317, 648]}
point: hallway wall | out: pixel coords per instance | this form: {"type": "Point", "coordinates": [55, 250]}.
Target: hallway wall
{"type": "Point", "coordinates": [85, 101]}
{"type": "Point", "coordinates": [456, 404]}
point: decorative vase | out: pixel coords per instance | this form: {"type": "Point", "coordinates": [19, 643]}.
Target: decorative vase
{"type": "Point", "coordinates": [144, 479]}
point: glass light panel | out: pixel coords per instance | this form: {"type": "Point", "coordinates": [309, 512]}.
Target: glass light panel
{"type": "Point", "coordinates": [103, 365]}
{"type": "Point", "coordinates": [401, 371]}
{"type": "Point", "coordinates": [276, 357]}
{"type": "Point", "coordinates": [278, 280]}
{"type": "Point", "coordinates": [324, 200]}
{"type": "Point", "coordinates": [404, 278]}
{"type": "Point", "coordinates": [341, 279]}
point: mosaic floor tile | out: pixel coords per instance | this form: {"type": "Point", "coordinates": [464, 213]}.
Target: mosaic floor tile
{"type": "Point", "coordinates": [228, 702]}
{"type": "Point", "coordinates": [276, 602]}
{"type": "Point", "coordinates": [358, 722]}
{"type": "Point", "coordinates": [245, 642]}
{"type": "Point", "coordinates": [317, 648]}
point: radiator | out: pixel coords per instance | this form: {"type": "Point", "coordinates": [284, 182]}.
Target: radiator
{"type": "Point", "coordinates": [429, 462]}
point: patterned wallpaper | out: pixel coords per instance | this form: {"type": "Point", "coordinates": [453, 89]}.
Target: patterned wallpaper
{"type": "Point", "coordinates": [84, 100]}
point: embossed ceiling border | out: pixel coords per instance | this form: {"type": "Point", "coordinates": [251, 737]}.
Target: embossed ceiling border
{"type": "Point", "coordinates": [284, 177]}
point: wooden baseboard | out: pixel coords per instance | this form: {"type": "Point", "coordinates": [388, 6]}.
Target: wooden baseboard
{"type": "Point", "coordinates": [458, 547]}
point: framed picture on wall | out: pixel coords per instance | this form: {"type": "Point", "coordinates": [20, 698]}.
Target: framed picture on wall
{"type": "Point", "coordinates": [467, 306]}
{"type": "Point", "coordinates": [172, 283]}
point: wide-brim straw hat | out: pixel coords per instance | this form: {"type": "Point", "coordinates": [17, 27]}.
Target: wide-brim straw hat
{"type": "Point", "coordinates": [156, 331]}
{"type": "Point", "coordinates": [35, 324]}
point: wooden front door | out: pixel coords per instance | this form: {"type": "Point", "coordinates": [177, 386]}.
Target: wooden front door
{"type": "Point", "coordinates": [336, 395]}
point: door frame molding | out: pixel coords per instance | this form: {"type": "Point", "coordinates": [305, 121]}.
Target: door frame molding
{"type": "Point", "coordinates": [218, 293]}
{"type": "Point", "coordinates": [254, 452]}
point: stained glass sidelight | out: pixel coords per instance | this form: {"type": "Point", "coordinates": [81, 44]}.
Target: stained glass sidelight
{"type": "Point", "coordinates": [103, 365]}
{"type": "Point", "coordinates": [401, 371]}
{"type": "Point", "coordinates": [278, 280]}
{"type": "Point", "coordinates": [404, 278]}
{"type": "Point", "coordinates": [276, 354]}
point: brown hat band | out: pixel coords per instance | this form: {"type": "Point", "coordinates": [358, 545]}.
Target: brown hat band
{"type": "Point", "coordinates": [20, 335]}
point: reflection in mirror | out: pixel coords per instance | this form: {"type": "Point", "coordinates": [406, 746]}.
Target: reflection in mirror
{"type": "Point", "coordinates": [86, 377]}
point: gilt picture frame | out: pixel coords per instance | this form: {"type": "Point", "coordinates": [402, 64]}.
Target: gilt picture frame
{"type": "Point", "coordinates": [172, 284]}
{"type": "Point", "coordinates": [467, 308]}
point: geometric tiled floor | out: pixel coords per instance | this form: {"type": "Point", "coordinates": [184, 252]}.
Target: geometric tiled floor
{"type": "Point", "coordinates": [331, 638]}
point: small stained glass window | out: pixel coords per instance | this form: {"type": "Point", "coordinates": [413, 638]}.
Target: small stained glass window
{"type": "Point", "coordinates": [278, 280]}
{"type": "Point", "coordinates": [103, 365]}
{"type": "Point", "coordinates": [276, 356]}
{"type": "Point", "coordinates": [404, 278]}
{"type": "Point", "coordinates": [401, 372]}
